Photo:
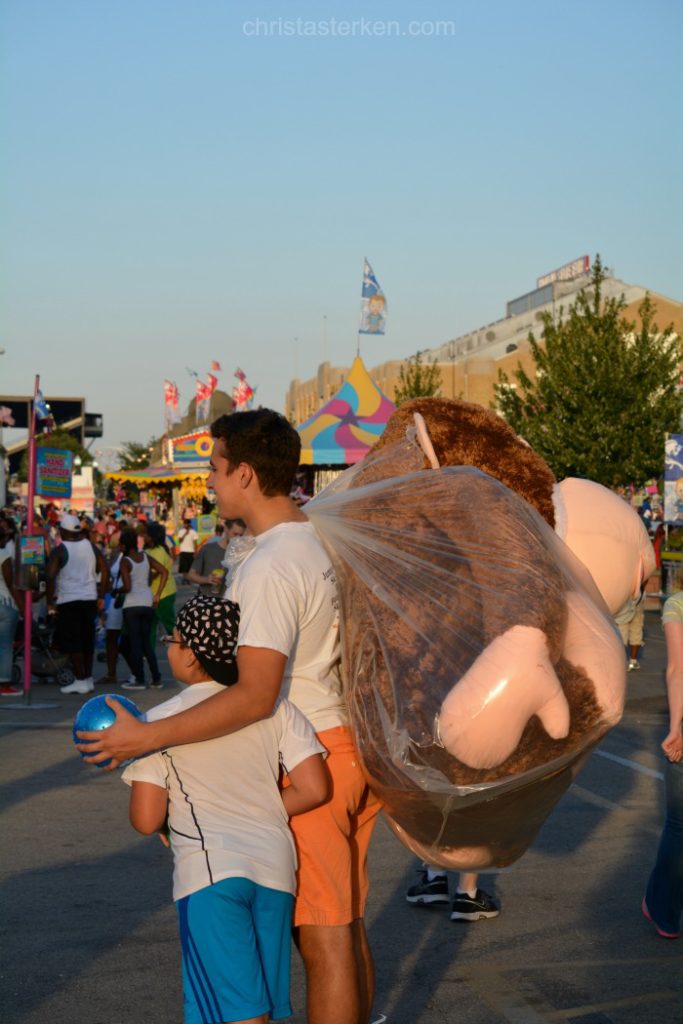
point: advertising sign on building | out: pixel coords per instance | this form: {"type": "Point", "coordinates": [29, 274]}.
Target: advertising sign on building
{"type": "Point", "coordinates": [53, 472]}
{"type": "Point", "coordinates": [192, 449]}
{"type": "Point", "coordinates": [566, 273]}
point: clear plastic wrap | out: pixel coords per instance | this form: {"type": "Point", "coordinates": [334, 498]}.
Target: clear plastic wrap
{"type": "Point", "coordinates": [481, 665]}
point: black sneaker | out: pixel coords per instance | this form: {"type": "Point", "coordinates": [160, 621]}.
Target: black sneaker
{"type": "Point", "coordinates": [467, 909]}
{"type": "Point", "coordinates": [425, 891]}
{"type": "Point", "coordinates": [133, 685]}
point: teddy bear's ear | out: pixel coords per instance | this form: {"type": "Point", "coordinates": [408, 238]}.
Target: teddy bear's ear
{"type": "Point", "coordinates": [424, 440]}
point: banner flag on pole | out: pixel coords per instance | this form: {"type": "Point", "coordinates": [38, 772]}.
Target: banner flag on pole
{"type": "Point", "coordinates": [242, 393]}
{"type": "Point", "coordinates": [42, 409]}
{"type": "Point", "coordinates": [171, 401]}
{"type": "Point", "coordinates": [202, 401]}
{"type": "Point", "coordinates": [215, 366]}
{"type": "Point", "coordinates": [373, 307]}
{"type": "Point", "coordinates": [212, 383]}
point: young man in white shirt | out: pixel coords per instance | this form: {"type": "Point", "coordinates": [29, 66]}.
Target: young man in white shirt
{"type": "Point", "coordinates": [288, 646]}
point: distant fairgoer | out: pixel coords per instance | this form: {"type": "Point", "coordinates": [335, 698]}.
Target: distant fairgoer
{"type": "Point", "coordinates": [663, 900]}
{"type": "Point", "coordinates": [72, 573]}
{"type": "Point", "coordinates": [187, 545]}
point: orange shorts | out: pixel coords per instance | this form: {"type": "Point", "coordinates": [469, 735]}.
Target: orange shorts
{"type": "Point", "coordinates": [332, 841]}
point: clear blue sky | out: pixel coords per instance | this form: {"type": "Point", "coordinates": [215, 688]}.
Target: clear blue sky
{"type": "Point", "coordinates": [179, 187]}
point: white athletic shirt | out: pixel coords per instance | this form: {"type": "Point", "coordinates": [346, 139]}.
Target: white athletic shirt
{"type": "Point", "coordinates": [76, 581]}
{"type": "Point", "coordinates": [287, 593]}
{"type": "Point", "coordinates": [226, 814]}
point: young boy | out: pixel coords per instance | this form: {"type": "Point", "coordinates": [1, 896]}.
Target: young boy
{"type": "Point", "coordinates": [234, 858]}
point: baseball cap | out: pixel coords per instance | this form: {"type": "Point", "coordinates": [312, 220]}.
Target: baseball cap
{"type": "Point", "coordinates": [69, 522]}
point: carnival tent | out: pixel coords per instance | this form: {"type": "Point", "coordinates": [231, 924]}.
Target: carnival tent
{"type": "Point", "coordinates": [156, 475]}
{"type": "Point", "coordinates": [347, 426]}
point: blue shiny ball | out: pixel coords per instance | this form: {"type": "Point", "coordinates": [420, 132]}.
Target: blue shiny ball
{"type": "Point", "coordinates": [96, 714]}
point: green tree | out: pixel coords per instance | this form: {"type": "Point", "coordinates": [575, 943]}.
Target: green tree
{"type": "Point", "coordinates": [605, 392]}
{"type": "Point", "coordinates": [133, 455]}
{"type": "Point", "coordinates": [417, 380]}
{"type": "Point", "coordinates": [60, 439]}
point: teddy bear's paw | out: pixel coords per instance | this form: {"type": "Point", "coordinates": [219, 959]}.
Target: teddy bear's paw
{"type": "Point", "coordinates": [482, 719]}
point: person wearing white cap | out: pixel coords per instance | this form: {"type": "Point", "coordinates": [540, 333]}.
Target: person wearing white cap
{"type": "Point", "coordinates": [72, 571]}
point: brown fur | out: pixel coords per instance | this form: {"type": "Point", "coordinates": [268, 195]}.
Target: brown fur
{"type": "Point", "coordinates": [464, 434]}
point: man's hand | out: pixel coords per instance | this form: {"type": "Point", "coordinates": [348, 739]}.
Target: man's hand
{"type": "Point", "coordinates": [125, 739]}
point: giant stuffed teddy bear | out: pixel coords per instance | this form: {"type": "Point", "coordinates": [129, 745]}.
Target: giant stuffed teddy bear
{"type": "Point", "coordinates": [481, 664]}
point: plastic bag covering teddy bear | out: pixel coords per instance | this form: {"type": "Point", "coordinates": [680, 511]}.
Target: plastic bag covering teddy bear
{"type": "Point", "coordinates": [481, 665]}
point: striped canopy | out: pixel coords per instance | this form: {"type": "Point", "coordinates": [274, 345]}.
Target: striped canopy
{"type": "Point", "coordinates": [344, 430]}
{"type": "Point", "coordinates": [157, 475]}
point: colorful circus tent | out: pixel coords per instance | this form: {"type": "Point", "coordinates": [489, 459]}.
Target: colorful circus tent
{"type": "Point", "coordinates": [346, 427]}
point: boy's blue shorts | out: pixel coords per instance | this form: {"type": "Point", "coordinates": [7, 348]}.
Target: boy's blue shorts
{"type": "Point", "coordinates": [236, 944]}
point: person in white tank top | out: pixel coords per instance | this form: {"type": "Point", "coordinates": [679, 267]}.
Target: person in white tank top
{"type": "Point", "coordinates": [137, 569]}
{"type": "Point", "coordinates": [77, 580]}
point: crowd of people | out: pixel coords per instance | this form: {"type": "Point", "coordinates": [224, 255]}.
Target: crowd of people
{"type": "Point", "coordinates": [112, 575]}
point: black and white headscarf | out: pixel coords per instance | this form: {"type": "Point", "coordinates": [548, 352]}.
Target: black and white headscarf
{"type": "Point", "coordinates": [209, 626]}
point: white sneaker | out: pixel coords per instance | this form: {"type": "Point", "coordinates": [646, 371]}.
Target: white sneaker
{"type": "Point", "coordinates": [79, 686]}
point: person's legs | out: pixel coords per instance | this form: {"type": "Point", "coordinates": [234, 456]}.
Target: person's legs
{"type": "Point", "coordinates": [332, 990]}
{"type": "Point", "coordinates": [365, 968]}
{"type": "Point", "coordinates": [8, 624]}
{"type": "Point", "coordinates": [332, 843]}
{"type": "Point", "coordinates": [112, 653]}
{"type": "Point", "coordinates": [165, 613]}
{"type": "Point", "coordinates": [635, 636]}
{"type": "Point", "coordinates": [133, 620]}
{"type": "Point", "coordinates": [70, 640]}
{"type": "Point", "coordinates": [664, 894]}
{"type": "Point", "coordinates": [147, 619]}
{"type": "Point", "coordinates": [88, 615]}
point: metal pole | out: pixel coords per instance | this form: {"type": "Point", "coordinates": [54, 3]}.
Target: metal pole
{"type": "Point", "coordinates": [30, 499]}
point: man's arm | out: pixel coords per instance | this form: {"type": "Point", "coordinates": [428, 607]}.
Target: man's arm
{"type": "Point", "coordinates": [252, 698]}
{"type": "Point", "coordinates": [54, 564]}
{"type": "Point", "coordinates": [196, 572]}
{"type": "Point", "coordinates": [103, 570]}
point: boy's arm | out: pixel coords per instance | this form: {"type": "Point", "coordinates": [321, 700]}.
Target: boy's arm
{"type": "Point", "coordinates": [148, 807]}
{"type": "Point", "coordinates": [309, 786]}
{"type": "Point", "coordinates": [252, 698]}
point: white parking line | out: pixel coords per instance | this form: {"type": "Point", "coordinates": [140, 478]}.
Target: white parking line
{"type": "Point", "coordinates": [632, 764]}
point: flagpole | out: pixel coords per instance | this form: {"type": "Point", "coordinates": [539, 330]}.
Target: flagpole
{"type": "Point", "coordinates": [28, 594]}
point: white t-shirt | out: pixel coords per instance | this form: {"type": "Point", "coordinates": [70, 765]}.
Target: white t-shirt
{"type": "Point", "coordinates": [188, 540]}
{"type": "Point", "coordinates": [226, 814]}
{"type": "Point", "coordinates": [287, 593]}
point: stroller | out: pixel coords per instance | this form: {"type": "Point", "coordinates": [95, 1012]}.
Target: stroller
{"type": "Point", "coordinates": [46, 661]}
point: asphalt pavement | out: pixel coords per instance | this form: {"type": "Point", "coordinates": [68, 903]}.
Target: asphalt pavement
{"type": "Point", "coordinates": [89, 929]}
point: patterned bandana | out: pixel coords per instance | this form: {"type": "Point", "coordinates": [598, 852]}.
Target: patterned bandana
{"type": "Point", "coordinates": [209, 627]}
